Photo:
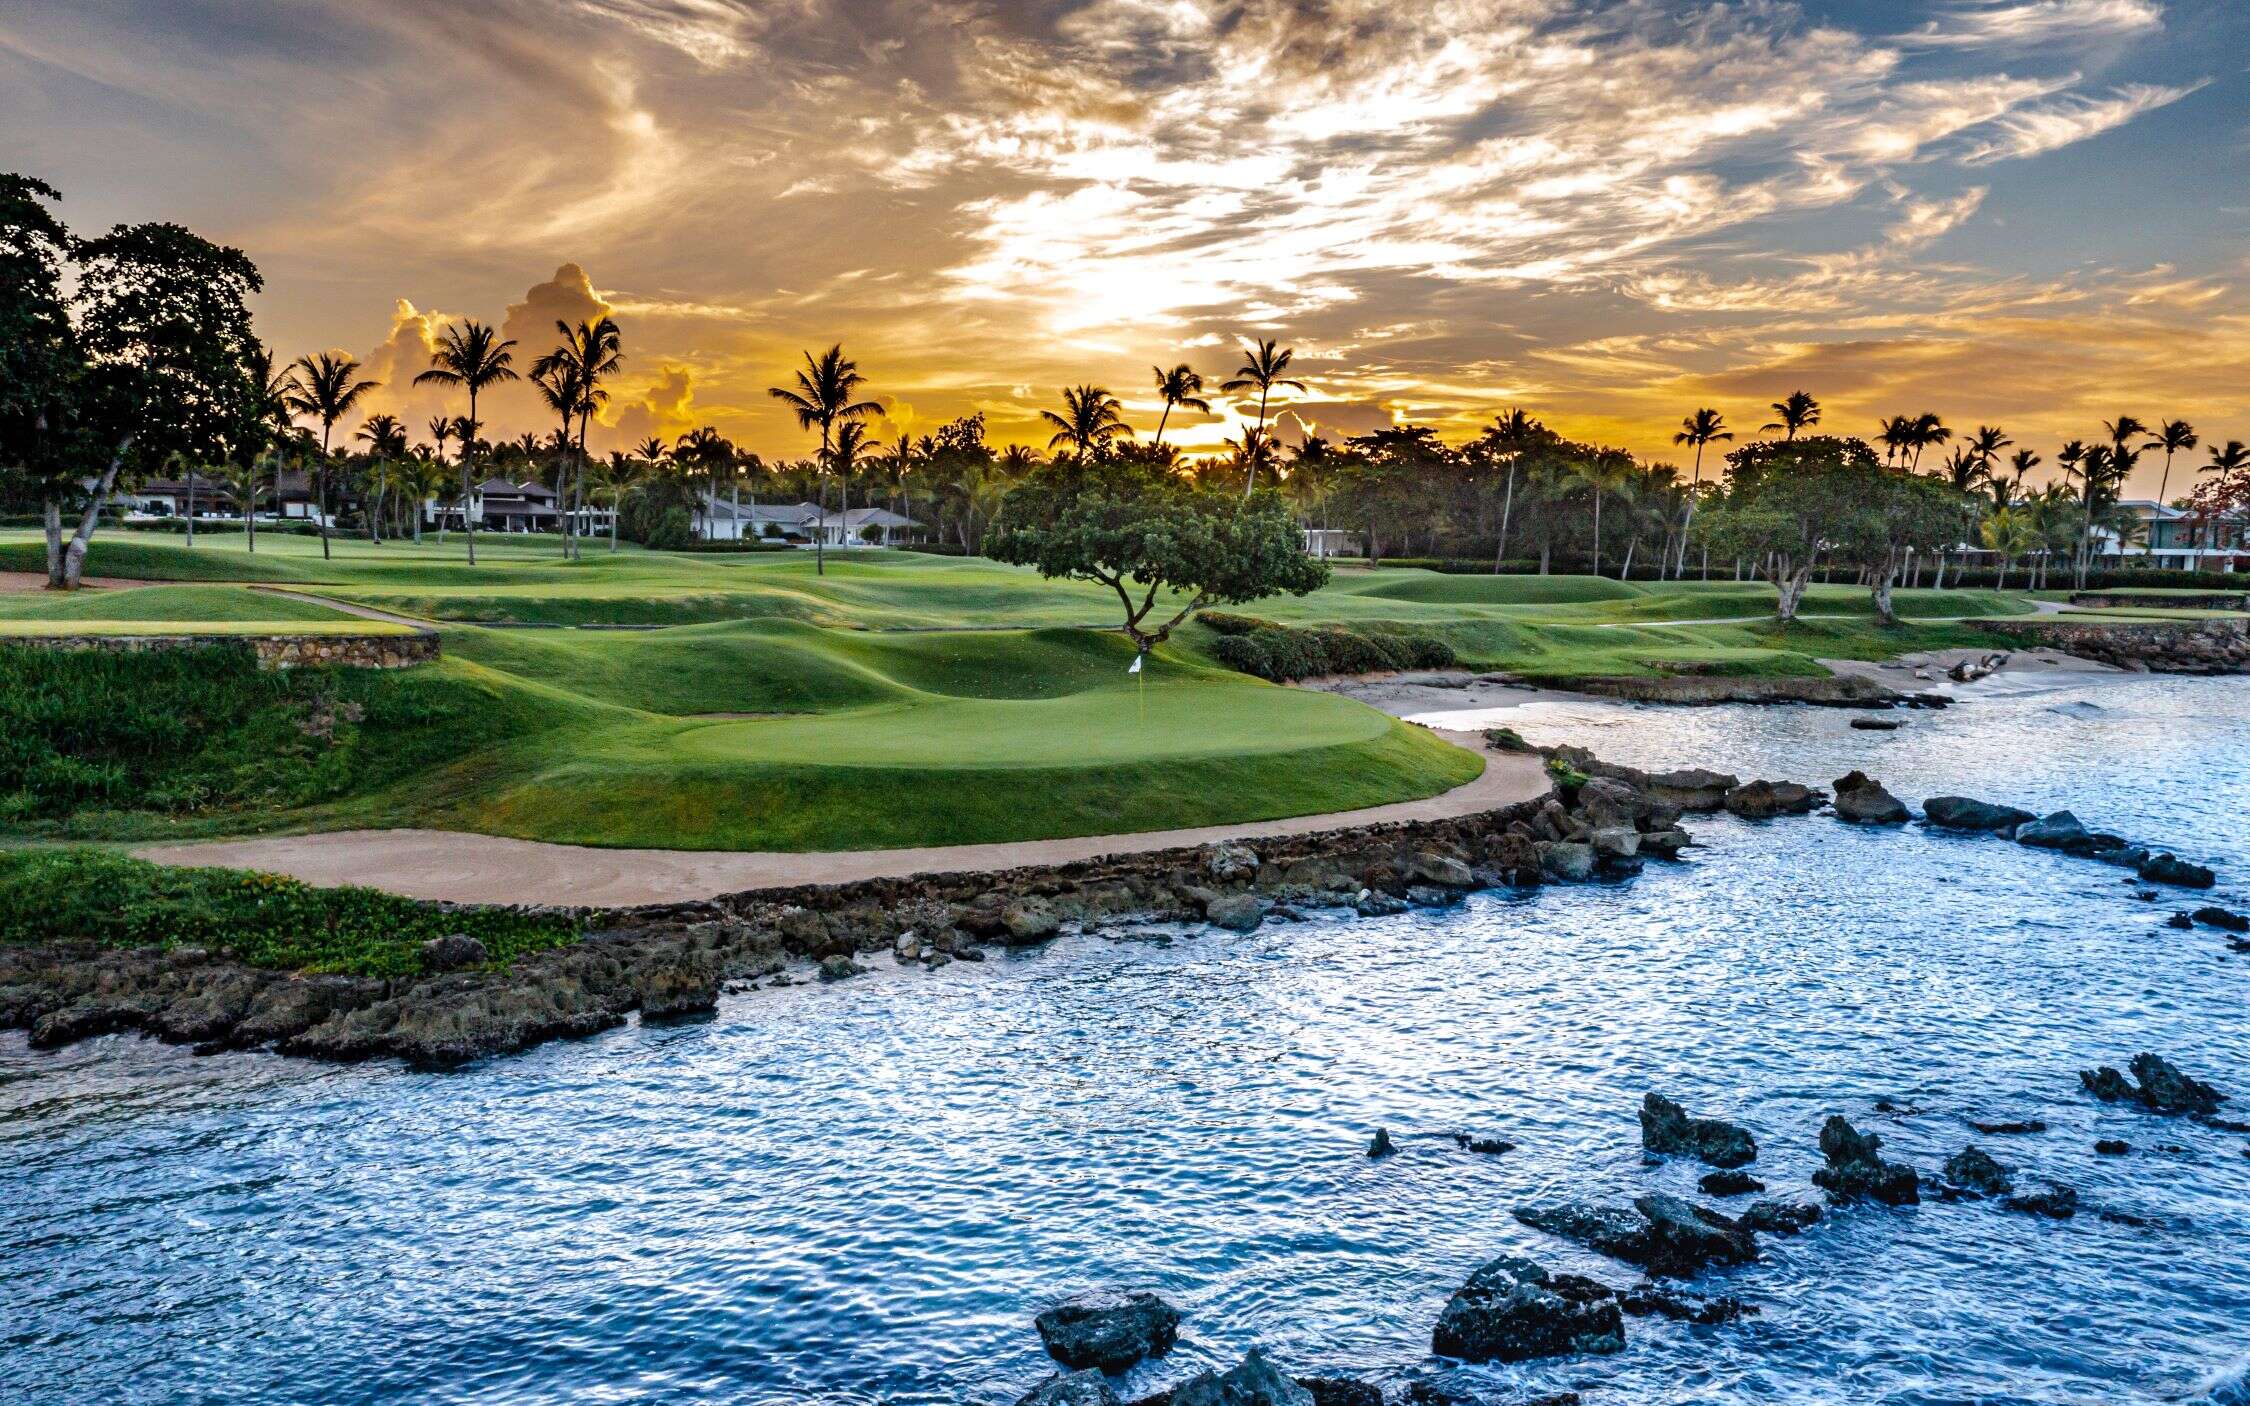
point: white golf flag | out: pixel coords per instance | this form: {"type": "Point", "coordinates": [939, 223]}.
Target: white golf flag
{"type": "Point", "coordinates": [1135, 666]}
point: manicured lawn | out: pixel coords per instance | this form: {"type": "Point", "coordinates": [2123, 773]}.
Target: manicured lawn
{"type": "Point", "coordinates": [897, 699]}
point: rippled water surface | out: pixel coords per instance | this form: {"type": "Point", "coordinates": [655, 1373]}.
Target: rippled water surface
{"type": "Point", "coordinates": [863, 1192]}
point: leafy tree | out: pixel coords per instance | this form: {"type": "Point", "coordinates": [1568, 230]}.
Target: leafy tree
{"type": "Point", "coordinates": [164, 322]}
{"type": "Point", "coordinates": [1896, 516]}
{"type": "Point", "coordinates": [1145, 533]}
{"type": "Point", "coordinates": [2008, 534]}
{"type": "Point", "coordinates": [42, 366]}
{"type": "Point", "coordinates": [1785, 502]}
{"type": "Point", "coordinates": [473, 356]}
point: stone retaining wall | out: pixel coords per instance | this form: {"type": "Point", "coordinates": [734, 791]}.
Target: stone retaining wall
{"type": "Point", "coordinates": [273, 651]}
{"type": "Point", "coordinates": [2144, 646]}
{"type": "Point", "coordinates": [2158, 600]}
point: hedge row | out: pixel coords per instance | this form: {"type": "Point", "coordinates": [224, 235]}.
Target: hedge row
{"type": "Point", "coordinates": [1283, 652]}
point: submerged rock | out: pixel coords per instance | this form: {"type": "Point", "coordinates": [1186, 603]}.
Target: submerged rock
{"type": "Point", "coordinates": [1251, 1382]}
{"type": "Point", "coordinates": [1730, 1184]}
{"type": "Point", "coordinates": [2222, 918]}
{"type": "Point", "coordinates": [2112, 1147]}
{"type": "Point", "coordinates": [2173, 870]}
{"type": "Point", "coordinates": [2159, 1087]}
{"type": "Point", "coordinates": [1862, 800]}
{"type": "Point", "coordinates": [1666, 1129]}
{"type": "Point", "coordinates": [1972, 1171]}
{"type": "Point", "coordinates": [839, 967]}
{"type": "Point", "coordinates": [1659, 1233]}
{"type": "Point", "coordinates": [1087, 1388]}
{"type": "Point", "coordinates": [1763, 800]}
{"type": "Point", "coordinates": [1238, 912]}
{"type": "Point", "coordinates": [2026, 1125]}
{"type": "Point", "coordinates": [1483, 1146]}
{"type": "Point", "coordinates": [1380, 1144]}
{"type": "Point", "coordinates": [1856, 1172]}
{"type": "Point", "coordinates": [1108, 1329]}
{"type": "Point", "coordinates": [1341, 1391]}
{"type": "Point", "coordinates": [1875, 724]}
{"type": "Point", "coordinates": [1965, 813]}
{"type": "Point", "coordinates": [1643, 1300]}
{"type": "Point", "coordinates": [2057, 1202]}
{"type": "Point", "coordinates": [1781, 1217]}
{"type": "Point", "coordinates": [1513, 1310]}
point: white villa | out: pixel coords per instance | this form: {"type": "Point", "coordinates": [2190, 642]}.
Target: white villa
{"type": "Point", "coordinates": [2169, 539]}
{"type": "Point", "coordinates": [802, 523]}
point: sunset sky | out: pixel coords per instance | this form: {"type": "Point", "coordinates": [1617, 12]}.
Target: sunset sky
{"type": "Point", "coordinates": [2026, 212]}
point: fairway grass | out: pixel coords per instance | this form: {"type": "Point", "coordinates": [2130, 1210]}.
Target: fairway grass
{"type": "Point", "coordinates": [899, 699]}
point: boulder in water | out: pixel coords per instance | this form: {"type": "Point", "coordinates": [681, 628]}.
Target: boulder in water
{"type": "Point", "coordinates": [1763, 800]}
{"type": "Point", "coordinates": [1087, 1388]}
{"type": "Point", "coordinates": [1856, 1172]}
{"type": "Point", "coordinates": [2058, 831]}
{"type": "Point", "coordinates": [1251, 1382]}
{"type": "Point", "coordinates": [2158, 1086]}
{"type": "Point", "coordinates": [1730, 1184]}
{"type": "Point", "coordinates": [2224, 918]}
{"type": "Point", "coordinates": [2057, 1202]}
{"type": "Point", "coordinates": [1236, 912]}
{"type": "Point", "coordinates": [1707, 1310]}
{"type": "Point", "coordinates": [1973, 1172]}
{"type": "Point", "coordinates": [1341, 1391]}
{"type": "Point", "coordinates": [1691, 789]}
{"type": "Point", "coordinates": [1964, 813]}
{"type": "Point", "coordinates": [1380, 1144]}
{"type": "Point", "coordinates": [1666, 1129]}
{"type": "Point", "coordinates": [1781, 1217]}
{"type": "Point", "coordinates": [1875, 724]}
{"type": "Point", "coordinates": [838, 967]}
{"type": "Point", "coordinates": [1659, 1233]}
{"type": "Point", "coordinates": [2173, 870]}
{"type": "Point", "coordinates": [1028, 920]}
{"type": "Point", "coordinates": [1566, 861]}
{"type": "Point", "coordinates": [1861, 800]}
{"type": "Point", "coordinates": [1513, 1310]}
{"type": "Point", "coordinates": [1108, 1329]}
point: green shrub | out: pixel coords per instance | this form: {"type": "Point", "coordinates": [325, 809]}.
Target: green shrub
{"type": "Point", "coordinates": [265, 920]}
{"type": "Point", "coordinates": [1283, 652]}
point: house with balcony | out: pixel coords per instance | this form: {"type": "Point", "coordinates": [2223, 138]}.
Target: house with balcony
{"type": "Point", "coordinates": [2170, 539]}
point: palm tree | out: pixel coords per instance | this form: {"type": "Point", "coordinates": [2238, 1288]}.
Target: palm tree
{"type": "Point", "coordinates": [385, 439]}
{"type": "Point", "coordinates": [473, 356]}
{"type": "Point", "coordinates": [1705, 426]}
{"type": "Point", "coordinates": [2226, 461]}
{"type": "Point", "coordinates": [2008, 490]}
{"type": "Point", "coordinates": [1262, 369]}
{"type": "Point", "coordinates": [1506, 438]}
{"type": "Point", "coordinates": [1895, 435]}
{"type": "Point", "coordinates": [702, 451]}
{"type": "Point", "coordinates": [590, 353]}
{"type": "Point", "coordinates": [1798, 412]}
{"type": "Point", "coordinates": [557, 383]}
{"type": "Point", "coordinates": [2172, 436]}
{"type": "Point", "coordinates": [1181, 386]}
{"type": "Point", "coordinates": [1984, 447]}
{"type": "Point", "coordinates": [620, 476]}
{"type": "Point", "coordinates": [853, 444]}
{"type": "Point", "coordinates": [2008, 533]}
{"type": "Point", "coordinates": [1091, 420]}
{"type": "Point", "coordinates": [823, 396]}
{"type": "Point", "coordinates": [326, 387]}
{"type": "Point", "coordinates": [1605, 471]}
{"type": "Point", "coordinates": [1925, 431]}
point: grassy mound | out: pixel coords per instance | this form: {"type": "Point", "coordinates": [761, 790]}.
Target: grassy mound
{"type": "Point", "coordinates": [264, 920]}
{"type": "Point", "coordinates": [1434, 588]}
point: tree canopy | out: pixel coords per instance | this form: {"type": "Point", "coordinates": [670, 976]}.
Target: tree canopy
{"type": "Point", "coordinates": [1146, 534]}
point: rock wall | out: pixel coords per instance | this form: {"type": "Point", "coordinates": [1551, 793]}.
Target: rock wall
{"type": "Point", "coordinates": [273, 651]}
{"type": "Point", "coordinates": [2144, 646]}
{"type": "Point", "coordinates": [2159, 600]}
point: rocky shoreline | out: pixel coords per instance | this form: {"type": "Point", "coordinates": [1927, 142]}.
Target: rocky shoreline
{"type": "Point", "coordinates": [1599, 822]}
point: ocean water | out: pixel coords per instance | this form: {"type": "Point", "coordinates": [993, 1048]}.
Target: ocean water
{"type": "Point", "coordinates": [863, 1192]}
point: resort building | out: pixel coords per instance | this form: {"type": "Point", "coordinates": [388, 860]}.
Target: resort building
{"type": "Point", "coordinates": [800, 524]}
{"type": "Point", "coordinates": [2171, 540]}
{"type": "Point", "coordinates": [499, 505]}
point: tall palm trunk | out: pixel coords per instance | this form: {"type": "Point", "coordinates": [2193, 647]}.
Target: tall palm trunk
{"type": "Point", "coordinates": [1507, 504]}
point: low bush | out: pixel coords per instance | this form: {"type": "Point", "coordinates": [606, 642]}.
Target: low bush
{"type": "Point", "coordinates": [1282, 652]}
{"type": "Point", "coordinates": [265, 920]}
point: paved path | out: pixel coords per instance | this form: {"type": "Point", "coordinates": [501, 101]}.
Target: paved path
{"type": "Point", "coordinates": [487, 868]}
{"type": "Point", "coordinates": [364, 612]}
